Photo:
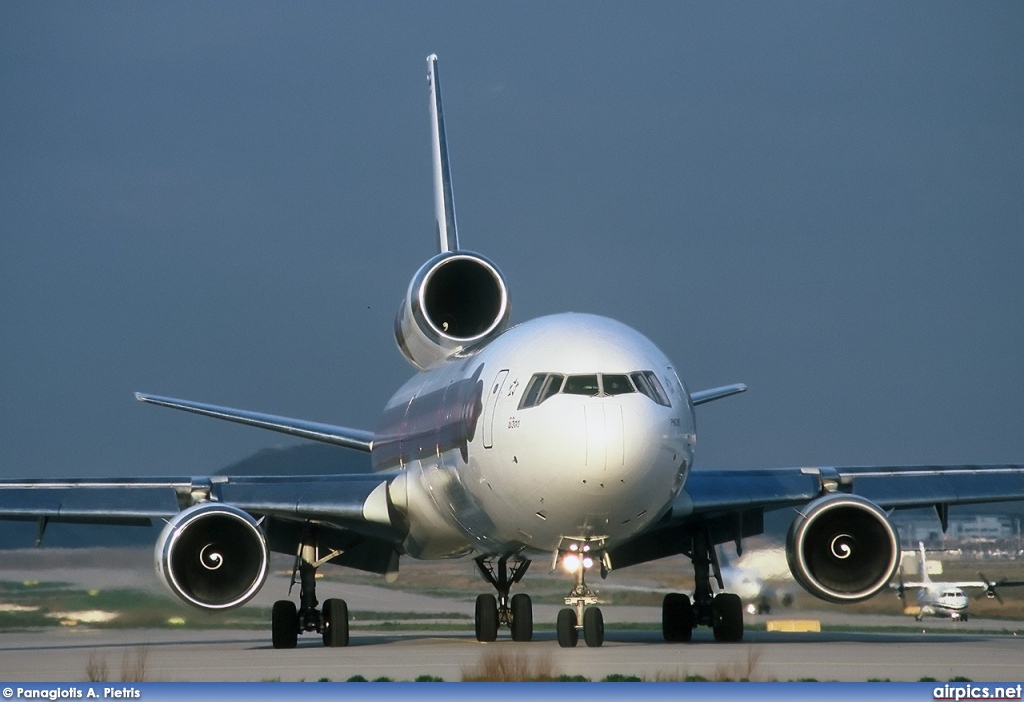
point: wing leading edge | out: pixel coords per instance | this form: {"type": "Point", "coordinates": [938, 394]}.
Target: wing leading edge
{"type": "Point", "coordinates": [356, 503]}
{"type": "Point", "coordinates": [891, 487]}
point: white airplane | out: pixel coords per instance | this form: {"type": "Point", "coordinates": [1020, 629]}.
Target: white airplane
{"type": "Point", "coordinates": [751, 586]}
{"type": "Point", "coordinates": [946, 599]}
{"type": "Point", "coordinates": [569, 438]}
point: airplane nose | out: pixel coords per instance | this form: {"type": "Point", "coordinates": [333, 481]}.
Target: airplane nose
{"type": "Point", "coordinates": [622, 448]}
{"type": "Point", "coordinates": [617, 464]}
{"type": "Point", "coordinates": [604, 442]}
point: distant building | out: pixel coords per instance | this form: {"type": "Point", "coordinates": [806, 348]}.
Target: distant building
{"type": "Point", "coordinates": [982, 528]}
{"type": "Point", "coordinates": [963, 530]}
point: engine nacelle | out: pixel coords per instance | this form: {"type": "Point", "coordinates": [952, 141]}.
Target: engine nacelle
{"type": "Point", "coordinates": [842, 548]}
{"type": "Point", "coordinates": [456, 299]}
{"type": "Point", "coordinates": [213, 556]}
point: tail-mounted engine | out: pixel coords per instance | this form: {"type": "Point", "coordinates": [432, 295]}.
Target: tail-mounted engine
{"type": "Point", "coordinates": [213, 556]}
{"type": "Point", "coordinates": [455, 300]}
{"type": "Point", "coordinates": [842, 548]}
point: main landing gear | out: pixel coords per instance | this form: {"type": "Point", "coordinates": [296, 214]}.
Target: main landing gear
{"type": "Point", "coordinates": [491, 612]}
{"type": "Point", "coordinates": [287, 621]}
{"type": "Point", "coordinates": [580, 614]}
{"type": "Point", "coordinates": [722, 612]}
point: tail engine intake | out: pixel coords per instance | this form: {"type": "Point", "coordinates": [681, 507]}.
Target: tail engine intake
{"type": "Point", "coordinates": [213, 556]}
{"type": "Point", "coordinates": [842, 548]}
{"type": "Point", "coordinates": [455, 300]}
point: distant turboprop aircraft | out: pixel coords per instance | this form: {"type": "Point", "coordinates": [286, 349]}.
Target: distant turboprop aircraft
{"type": "Point", "coordinates": [567, 439]}
{"type": "Point", "coordinates": [947, 599]}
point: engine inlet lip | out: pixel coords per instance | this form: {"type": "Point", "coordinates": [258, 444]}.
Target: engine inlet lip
{"type": "Point", "coordinates": [422, 284]}
{"type": "Point", "coordinates": [179, 529]}
{"type": "Point", "coordinates": [823, 507]}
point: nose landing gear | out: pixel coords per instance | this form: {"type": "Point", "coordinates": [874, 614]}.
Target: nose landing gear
{"type": "Point", "coordinates": [581, 614]}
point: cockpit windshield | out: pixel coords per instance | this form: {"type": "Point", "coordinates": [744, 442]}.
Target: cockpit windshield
{"type": "Point", "coordinates": [545, 385]}
{"type": "Point", "coordinates": [582, 385]}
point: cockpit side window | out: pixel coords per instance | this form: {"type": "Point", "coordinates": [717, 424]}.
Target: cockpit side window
{"type": "Point", "coordinates": [532, 391]}
{"type": "Point", "coordinates": [541, 387]}
{"type": "Point", "coordinates": [582, 385]}
{"type": "Point", "coordinates": [552, 384]}
{"type": "Point", "coordinates": [647, 383]}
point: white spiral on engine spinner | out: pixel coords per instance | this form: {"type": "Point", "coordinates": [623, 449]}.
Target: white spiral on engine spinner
{"type": "Point", "coordinates": [841, 549]}
{"type": "Point", "coordinates": [210, 561]}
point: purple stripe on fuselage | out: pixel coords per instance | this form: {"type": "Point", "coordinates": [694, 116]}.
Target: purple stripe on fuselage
{"type": "Point", "coordinates": [430, 424]}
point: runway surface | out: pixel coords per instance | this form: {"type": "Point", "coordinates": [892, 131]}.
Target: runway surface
{"type": "Point", "coordinates": [948, 649]}
{"type": "Point", "coordinates": [65, 655]}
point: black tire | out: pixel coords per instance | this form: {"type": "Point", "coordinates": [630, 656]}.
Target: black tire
{"type": "Point", "coordinates": [593, 627]}
{"type": "Point", "coordinates": [568, 635]}
{"type": "Point", "coordinates": [486, 619]}
{"type": "Point", "coordinates": [676, 618]}
{"type": "Point", "coordinates": [522, 617]}
{"type": "Point", "coordinates": [727, 615]}
{"type": "Point", "coordinates": [335, 623]}
{"type": "Point", "coordinates": [284, 624]}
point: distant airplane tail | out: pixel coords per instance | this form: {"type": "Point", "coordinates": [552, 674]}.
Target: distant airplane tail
{"type": "Point", "coordinates": [923, 562]}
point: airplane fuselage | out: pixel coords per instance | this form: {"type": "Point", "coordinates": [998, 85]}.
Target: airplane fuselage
{"type": "Point", "coordinates": [566, 429]}
{"type": "Point", "coordinates": [950, 602]}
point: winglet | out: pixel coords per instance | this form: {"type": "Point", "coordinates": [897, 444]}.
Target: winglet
{"type": "Point", "coordinates": [444, 202]}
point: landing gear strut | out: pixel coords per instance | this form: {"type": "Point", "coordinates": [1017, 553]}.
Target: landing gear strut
{"type": "Point", "coordinates": [288, 621]}
{"type": "Point", "coordinates": [580, 614]}
{"type": "Point", "coordinates": [491, 612]}
{"type": "Point", "coordinates": [722, 612]}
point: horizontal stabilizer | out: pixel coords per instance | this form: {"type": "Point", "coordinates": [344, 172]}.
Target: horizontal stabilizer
{"type": "Point", "coordinates": [357, 439]}
{"type": "Point", "coordinates": [699, 398]}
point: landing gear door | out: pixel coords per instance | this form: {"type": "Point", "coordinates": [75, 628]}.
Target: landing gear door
{"type": "Point", "coordinates": [494, 392]}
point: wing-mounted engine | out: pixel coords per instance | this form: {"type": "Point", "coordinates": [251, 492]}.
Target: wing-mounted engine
{"type": "Point", "coordinates": [842, 548]}
{"type": "Point", "coordinates": [213, 556]}
{"type": "Point", "coordinates": [455, 300]}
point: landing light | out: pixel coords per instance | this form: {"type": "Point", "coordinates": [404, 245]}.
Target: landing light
{"type": "Point", "coordinates": [571, 561]}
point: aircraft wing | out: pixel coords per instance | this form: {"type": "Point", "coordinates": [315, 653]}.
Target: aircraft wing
{"type": "Point", "coordinates": [96, 501]}
{"type": "Point", "coordinates": [890, 487]}
{"type": "Point", "coordinates": [356, 503]}
{"type": "Point", "coordinates": [732, 503]}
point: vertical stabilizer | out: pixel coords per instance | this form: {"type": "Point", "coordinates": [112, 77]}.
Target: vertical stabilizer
{"type": "Point", "coordinates": [444, 203]}
{"type": "Point", "coordinates": [923, 564]}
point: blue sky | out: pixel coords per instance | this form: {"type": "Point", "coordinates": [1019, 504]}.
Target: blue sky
{"type": "Point", "coordinates": [225, 202]}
